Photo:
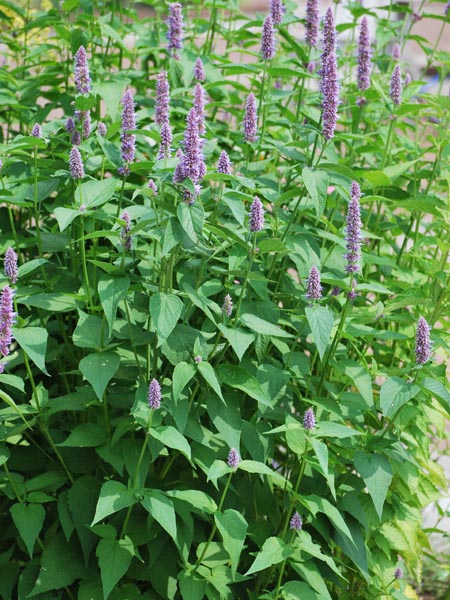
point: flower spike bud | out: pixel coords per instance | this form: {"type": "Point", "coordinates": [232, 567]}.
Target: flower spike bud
{"type": "Point", "coordinates": [36, 131]}
{"type": "Point", "coordinates": [175, 31]}
{"type": "Point", "coordinates": [396, 86]}
{"type": "Point", "coordinates": [309, 420]}
{"type": "Point", "coordinates": [250, 119]}
{"type": "Point", "coordinates": [199, 105]}
{"type": "Point", "coordinates": [7, 319]}
{"type": "Point", "coordinates": [296, 522]}
{"type": "Point", "coordinates": [227, 306]}
{"type": "Point", "coordinates": [329, 85]}
{"type": "Point", "coordinates": [154, 394]}
{"type": "Point", "coordinates": [224, 164]}
{"type": "Point", "coordinates": [277, 10]}
{"type": "Point", "coordinates": [233, 459]}
{"type": "Point", "coordinates": [152, 186]}
{"type": "Point", "coordinates": [125, 231]}
{"type": "Point", "coordinates": [312, 22]}
{"type": "Point", "coordinates": [353, 230]}
{"type": "Point", "coordinates": [82, 77]}
{"type": "Point", "coordinates": [162, 98]}
{"type": "Point", "coordinates": [364, 56]}
{"type": "Point", "coordinates": [423, 342]}
{"type": "Point", "coordinates": [128, 124]}
{"type": "Point", "coordinates": [76, 164]}
{"type": "Point", "coordinates": [10, 265]}
{"type": "Point", "coordinates": [256, 215]}
{"type": "Point", "coordinates": [102, 129]}
{"type": "Point", "coordinates": [268, 39]}
{"type": "Point", "coordinates": [314, 289]}
{"type": "Point", "coordinates": [199, 70]}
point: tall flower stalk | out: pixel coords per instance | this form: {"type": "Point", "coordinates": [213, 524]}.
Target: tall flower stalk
{"type": "Point", "coordinates": [329, 85]}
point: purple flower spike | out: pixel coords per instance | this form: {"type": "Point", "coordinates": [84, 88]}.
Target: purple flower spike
{"type": "Point", "coordinates": [152, 186]}
{"type": "Point", "coordinates": [224, 164]}
{"type": "Point", "coordinates": [178, 174]}
{"type": "Point", "coordinates": [353, 230]}
{"type": "Point", "coordinates": [199, 106]}
{"type": "Point", "coordinates": [227, 306]}
{"type": "Point", "coordinates": [76, 138]}
{"type": "Point", "coordinates": [296, 522]}
{"type": "Point", "coordinates": [233, 458]}
{"type": "Point", "coordinates": [398, 573]}
{"type": "Point", "coordinates": [250, 119]}
{"type": "Point", "coordinates": [165, 149]}
{"type": "Point", "coordinates": [447, 9]}
{"type": "Point", "coordinates": [256, 215]}
{"type": "Point", "coordinates": [102, 129]}
{"type": "Point", "coordinates": [314, 289]}
{"type": "Point", "coordinates": [396, 51]}
{"type": "Point", "coordinates": [407, 79]}
{"type": "Point", "coordinates": [175, 32]}
{"type": "Point", "coordinates": [312, 22]}
{"type": "Point", "coordinates": [36, 131]}
{"type": "Point", "coordinates": [277, 10]}
{"type": "Point", "coordinates": [125, 231]}
{"type": "Point", "coordinates": [70, 125]}
{"type": "Point", "coordinates": [423, 342]}
{"type": "Point", "coordinates": [396, 86]}
{"type": "Point", "coordinates": [199, 71]}
{"type": "Point", "coordinates": [7, 319]}
{"type": "Point", "coordinates": [193, 163]}
{"type": "Point", "coordinates": [86, 118]}
{"type": "Point", "coordinates": [162, 98]}
{"type": "Point", "coordinates": [154, 394]}
{"type": "Point", "coordinates": [128, 123]}
{"type": "Point", "coordinates": [309, 420]}
{"type": "Point", "coordinates": [10, 265]}
{"type": "Point", "coordinates": [82, 77]}
{"type": "Point", "coordinates": [76, 164]}
{"type": "Point", "coordinates": [364, 55]}
{"type": "Point", "coordinates": [268, 39]}
{"type": "Point", "coordinates": [329, 85]}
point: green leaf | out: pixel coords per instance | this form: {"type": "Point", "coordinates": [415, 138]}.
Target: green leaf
{"type": "Point", "coordinates": [182, 374]}
{"type": "Point", "coordinates": [316, 504]}
{"type": "Point", "coordinates": [171, 437]}
{"type": "Point", "coordinates": [263, 327]}
{"type": "Point", "coordinates": [321, 452]}
{"type": "Point", "coordinates": [316, 183]}
{"type": "Point", "coordinates": [233, 528]}
{"type": "Point", "coordinates": [165, 310]}
{"type": "Point", "coordinates": [361, 379]}
{"type": "Point", "coordinates": [114, 496]}
{"type": "Point", "coordinates": [54, 302]}
{"type": "Point", "coordinates": [274, 551]}
{"type": "Point", "coordinates": [299, 590]}
{"type": "Point", "coordinates": [61, 565]}
{"type": "Point", "coordinates": [199, 501]}
{"type": "Point", "coordinates": [65, 216]}
{"type": "Point", "coordinates": [321, 321]}
{"type": "Point", "coordinates": [207, 372]}
{"type": "Point", "coordinates": [29, 520]}
{"type": "Point", "coordinates": [395, 393]}
{"type": "Point", "coordinates": [86, 435]}
{"type": "Point", "coordinates": [88, 332]}
{"type": "Point", "coordinates": [253, 466]}
{"type": "Point", "coordinates": [33, 341]}
{"type": "Point", "coordinates": [218, 470]}
{"type": "Point", "coordinates": [192, 587]}
{"type": "Point", "coordinates": [335, 430]}
{"type": "Point", "coordinates": [99, 369]}
{"type": "Point", "coordinates": [161, 509]}
{"type": "Point", "coordinates": [239, 378]}
{"type": "Point", "coordinates": [114, 557]}
{"type": "Point", "coordinates": [112, 290]}
{"type": "Point", "coordinates": [95, 193]}
{"type": "Point", "coordinates": [238, 339]}
{"type": "Point", "coordinates": [191, 218]}
{"type": "Point", "coordinates": [376, 472]}
{"type": "Point", "coordinates": [271, 245]}
{"type": "Point", "coordinates": [437, 389]}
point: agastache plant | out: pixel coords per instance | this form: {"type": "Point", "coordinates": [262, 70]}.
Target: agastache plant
{"type": "Point", "coordinates": [256, 215]}
{"type": "Point", "coordinates": [312, 22]}
{"type": "Point", "coordinates": [250, 122]}
{"type": "Point", "coordinates": [165, 149]}
{"type": "Point", "coordinates": [199, 106]}
{"type": "Point", "coordinates": [36, 131]}
{"type": "Point", "coordinates": [268, 39]}
{"type": "Point", "coordinates": [353, 235]}
{"type": "Point", "coordinates": [193, 164]}
{"type": "Point", "coordinates": [233, 459]}
{"type": "Point", "coordinates": [277, 10]}
{"type": "Point", "coordinates": [296, 522]}
{"type": "Point", "coordinates": [224, 163]}
{"type": "Point", "coordinates": [82, 77]}
{"type": "Point", "coordinates": [175, 31]}
{"type": "Point", "coordinates": [329, 85]}
{"type": "Point", "coordinates": [199, 71]}
{"type": "Point", "coordinates": [227, 306]}
{"type": "Point", "coordinates": [309, 419]}
{"type": "Point", "coordinates": [125, 231]}
{"type": "Point", "coordinates": [314, 289]}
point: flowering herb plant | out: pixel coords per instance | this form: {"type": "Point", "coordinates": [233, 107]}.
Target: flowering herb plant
{"type": "Point", "coordinates": [224, 305]}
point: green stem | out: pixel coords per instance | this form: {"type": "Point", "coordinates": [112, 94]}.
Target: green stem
{"type": "Point", "coordinates": [244, 285]}
{"type": "Point", "coordinates": [214, 528]}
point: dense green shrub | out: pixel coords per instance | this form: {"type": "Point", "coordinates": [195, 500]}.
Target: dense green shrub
{"type": "Point", "coordinates": [207, 391]}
